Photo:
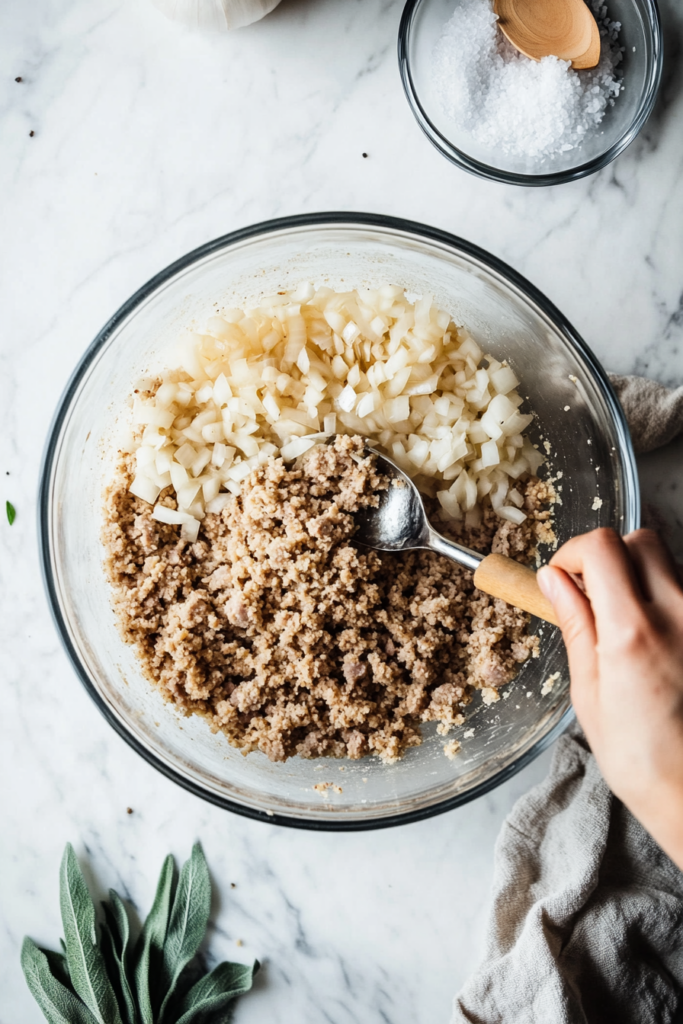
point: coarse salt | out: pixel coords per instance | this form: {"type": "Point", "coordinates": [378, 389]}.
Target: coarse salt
{"type": "Point", "coordinates": [506, 101]}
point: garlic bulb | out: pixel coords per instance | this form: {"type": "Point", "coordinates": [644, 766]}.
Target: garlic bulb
{"type": "Point", "coordinates": [215, 14]}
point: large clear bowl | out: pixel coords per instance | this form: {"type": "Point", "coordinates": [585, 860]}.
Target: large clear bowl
{"type": "Point", "coordinates": [641, 37]}
{"type": "Point", "coordinates": [578, 417]}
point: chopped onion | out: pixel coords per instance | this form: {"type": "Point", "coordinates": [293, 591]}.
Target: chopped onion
{"type": "Point", "coordinates": [170, 516]}
{"type": "Point", "coordinates": [515, 515]}
{"type": "Point", "coordinates": [283, 376]}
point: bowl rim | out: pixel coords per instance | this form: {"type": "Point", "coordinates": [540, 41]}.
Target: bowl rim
{"type": "Point", "coordinates": [335, 219]}
{"type": "Point", "coordinates": [482, 170]}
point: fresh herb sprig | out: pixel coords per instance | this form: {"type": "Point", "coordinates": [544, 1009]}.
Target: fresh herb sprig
{"type": "Point", "coordinates": [151, 982]}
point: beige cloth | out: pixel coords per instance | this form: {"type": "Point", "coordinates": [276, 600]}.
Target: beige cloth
{"type": "Point", "coordinates": [587, 918]}
{"type": "Point", "coordinates": [654, 413]}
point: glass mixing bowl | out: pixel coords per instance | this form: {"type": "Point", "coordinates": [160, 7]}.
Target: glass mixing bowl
{"type": "Point", "coordinates": [641, 37]}
{"type": "Point", "coordinates": [578, 417]}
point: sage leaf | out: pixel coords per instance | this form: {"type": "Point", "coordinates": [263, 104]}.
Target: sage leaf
{"type": "Point", "coordinates": [188, 923]}
{"type": "Point", "coordinates": [115, 946]}
{"type": "Point", "coordinates": [58, 966]}
{"type": "Point", "coordinates": [216, 990]}
{"type": "Point", "coordinates": [85, 961]}
{"type": "Point", "coordinates": [149, 950]}
{"type": "Point", "coordinates": [58, 1003]}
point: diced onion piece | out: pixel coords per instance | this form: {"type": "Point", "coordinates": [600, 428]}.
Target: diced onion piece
{"type": "Point", "coordinates": [347, 399]}
{"type": "Point", "coordinates": [166, 395]}
{"type": "Point", "coordinates": [240, 471]}
{"type": "Point", "coordinates": [490, 456]}
{"type": "Point", "coordinates": [367, 404]}
{"type": "Point", "coordinates": [515, 497]}
{"type": "Point", "coordinates": [449, 503]}
{"type": "Point", "coordinates": [186, 455]}
{"type": "Point", "coordinates": [512, 514]}
{"type": "Point", "coordinates": [296, 447]}
{"type": "Point", "coordinates": [179, 476]}
{"type": "Point", "coordinates": [205, 393]}
{"type": "Point", "coordinates": [202, 460]}
{"type": "Point", "coordinates": [164, 460]}
{"type": "Point", "coordinates": [218, 455]}
{"type": "Point", "coordinates": [304, 292]}
{"type": "Point", "coordinates": [499, 494]}
{"type": "Point", "coordinates": [504, 380]}
{"type": "Point", "coordinates": [247, 444]}
{"type": "Point", "coordinates": [190, 530]}
{"type": "Point", "coordinates": [397, 409]}
{"type": "Point", "coordinates": [148, 413]}
{"type": "Point", "coordinates": [339, 368]}
{"type": "Point", "coordinates": [170, 516]}
{"type": "Point", "coordinates": [419, 453]}
{"type": "Point", "coordinates": [210, 489]}
{"type": "Point", "coordinates": [218, 503]}
{"type": "Point", "coordinates": [270, 404]}
{"type": "Point", "coordinates": [143, 487]}
{"type": "Point", "coordinates": [187, 493]}
{"type": "Point", "coordinates": [336, 321]}
{"type": "Point", "coordinates": [303, 361]}
{"type": "Point", "coordinates": [532, 456]}
{"type": "Point", "coordinates": [350, 333]}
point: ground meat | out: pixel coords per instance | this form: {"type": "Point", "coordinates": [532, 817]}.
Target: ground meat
{"type": "Point", "coordinates": [293, 641]}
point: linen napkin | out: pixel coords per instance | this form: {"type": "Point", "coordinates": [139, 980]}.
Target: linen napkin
{"type": "Point", "coordinates": [587, 919]}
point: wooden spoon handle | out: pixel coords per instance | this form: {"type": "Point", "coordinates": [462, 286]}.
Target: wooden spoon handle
{"type": "Point", "coordinates": [503, 577]}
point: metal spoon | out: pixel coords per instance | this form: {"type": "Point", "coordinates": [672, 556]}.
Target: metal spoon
{"type": "Point", "coordinates": [551, 28]}
{"type": "Point", "coordinates": [399, 523]}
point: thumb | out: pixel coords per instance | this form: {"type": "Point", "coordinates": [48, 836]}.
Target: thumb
{"type": "Point", "coordinates": [575, 615]}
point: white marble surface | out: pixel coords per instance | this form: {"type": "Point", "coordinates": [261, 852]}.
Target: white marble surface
{"type": "Point", "coordinates": [149, 141]}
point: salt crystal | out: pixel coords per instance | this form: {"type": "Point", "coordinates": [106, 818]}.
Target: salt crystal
{"type": "Point", "coordinates": [505, 101]}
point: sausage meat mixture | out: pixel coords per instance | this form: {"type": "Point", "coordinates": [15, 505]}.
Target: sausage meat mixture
{"type": "Point", "coordinates": [292, 640]}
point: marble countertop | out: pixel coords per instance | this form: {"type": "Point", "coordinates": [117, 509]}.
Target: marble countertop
{"type": "Point", "coordinates": [127, 143]}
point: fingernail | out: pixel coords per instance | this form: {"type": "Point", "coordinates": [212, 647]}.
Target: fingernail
{"type": "Point", "coordinates": [546, 581]}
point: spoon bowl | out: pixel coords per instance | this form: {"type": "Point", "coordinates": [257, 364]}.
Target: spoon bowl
{"type": "Point", "coordinates": [565, 29]}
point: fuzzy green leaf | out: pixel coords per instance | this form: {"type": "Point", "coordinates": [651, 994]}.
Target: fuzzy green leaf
{"type": "Point", "coordinates": [216, 990]}
{"type": "Point", "coordinates": [85, 961]}
{"type": "Point", "coordinates": [58, 966]}
{"type": "Point", "coordinates": [116, 949]}
{"type": "Point", "coordinates": [149, 950]}
{"type": "Point", "coordinates": [189, 920]}
{"type": "Point", "coordinates": [11, 512]}
{"type": "Point", "coordinates": [58, 1003]}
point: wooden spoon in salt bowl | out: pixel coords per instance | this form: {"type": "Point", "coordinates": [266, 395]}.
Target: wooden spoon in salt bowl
{"type": "Point", "coordinates": [551, 28]}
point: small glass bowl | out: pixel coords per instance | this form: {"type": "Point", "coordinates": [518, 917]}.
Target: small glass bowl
{"type": "Point", "coordinates": [641, 36]}
{"type": "Point", "coordinates": [579, 419]}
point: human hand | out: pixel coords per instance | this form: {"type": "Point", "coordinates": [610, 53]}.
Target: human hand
{"type": "Point", "coordinates": [624, 639]}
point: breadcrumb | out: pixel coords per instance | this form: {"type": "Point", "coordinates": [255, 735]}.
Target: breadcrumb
{"type": "Point", "coordinates": [549, 683]}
